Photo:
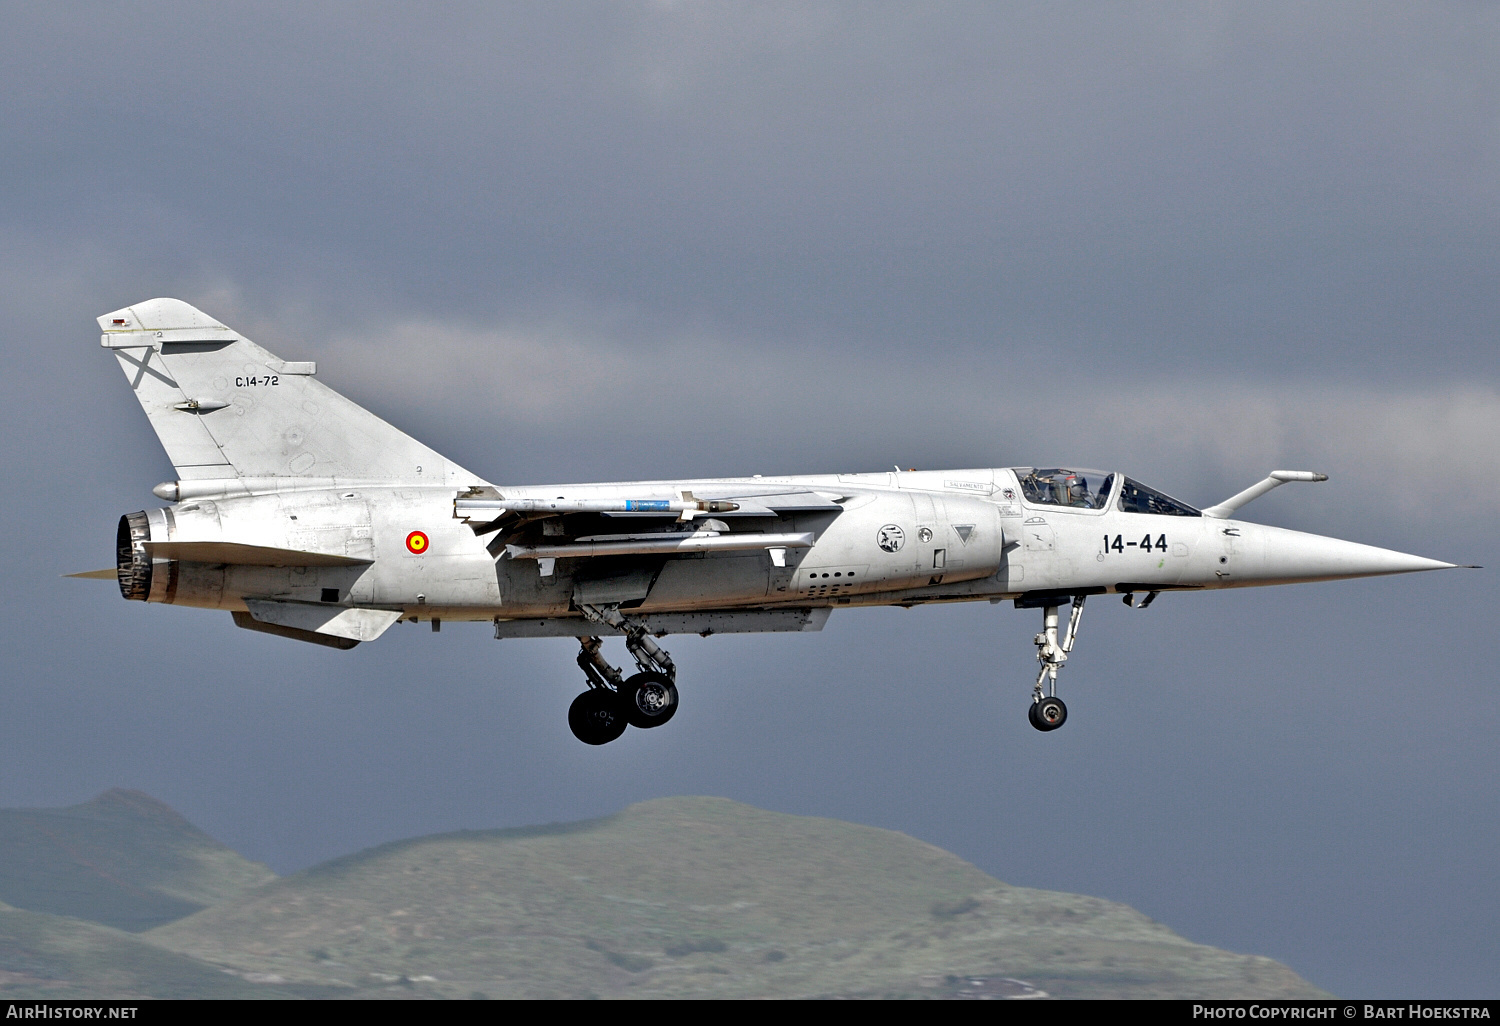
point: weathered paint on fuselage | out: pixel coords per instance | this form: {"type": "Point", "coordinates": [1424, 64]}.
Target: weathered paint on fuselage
{"type": "Point", "coordinates": [965, 535]}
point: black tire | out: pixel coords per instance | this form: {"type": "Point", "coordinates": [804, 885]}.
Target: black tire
{"type": "Point", "coordinates": [596, 717]}
{"type": "Point", "coordinates": [1049, 714]}
{"type": "Point", "coordinates": [650, 699]}
{"type": "Point", "coordinates": [1031, 717]}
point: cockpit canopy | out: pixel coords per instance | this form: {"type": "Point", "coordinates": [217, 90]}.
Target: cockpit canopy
{"type": "Point", "coordinates": [1137, 498]}
{"type": "Point", "coordinates": [1080, 489]}
{"type": "Point", "coordinates": [1091, 489]}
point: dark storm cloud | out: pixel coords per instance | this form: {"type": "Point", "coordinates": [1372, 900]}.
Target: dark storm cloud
{"type": "Point", "coordinates": [789, 211]}
{"type": "Point", "coordinates": [567, 242]}
{"type": "Point", "coordinates": [1246, 186]}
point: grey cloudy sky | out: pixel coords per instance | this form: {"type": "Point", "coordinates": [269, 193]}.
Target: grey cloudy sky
{"type": "Point", "coordinates": [574, 242]}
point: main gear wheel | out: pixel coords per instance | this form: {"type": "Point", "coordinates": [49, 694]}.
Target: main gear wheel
{"type": "Point", "coordinates": [597, 716]}
{"type": "Point", "coordinates": [649, 699]}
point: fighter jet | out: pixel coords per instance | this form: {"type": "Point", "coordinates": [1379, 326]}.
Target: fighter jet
{"type": "Point", "coordinates": [307, 517]}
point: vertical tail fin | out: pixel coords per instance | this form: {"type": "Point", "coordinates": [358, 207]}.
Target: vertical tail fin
{"type": "Point", "coordinates": [224, 407]}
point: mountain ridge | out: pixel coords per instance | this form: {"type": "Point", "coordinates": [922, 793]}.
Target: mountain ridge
{"type": "Point", "coordinates": [122, 858]}
{"type": "Point", "coordinates": [696, 896]}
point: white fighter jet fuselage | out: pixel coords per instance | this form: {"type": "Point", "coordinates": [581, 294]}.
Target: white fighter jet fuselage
{"type": "Point", "coordinates": [308, 517]}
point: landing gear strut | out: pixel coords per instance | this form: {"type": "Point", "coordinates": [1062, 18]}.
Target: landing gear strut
{"type": "Point", "coordinates": [646, 699]}
{"type": "Point", "coordinates": [1047, 710]}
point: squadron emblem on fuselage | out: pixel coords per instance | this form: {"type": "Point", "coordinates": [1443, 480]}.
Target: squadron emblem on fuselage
{"type": "Point", "coordinates": [890, 538]}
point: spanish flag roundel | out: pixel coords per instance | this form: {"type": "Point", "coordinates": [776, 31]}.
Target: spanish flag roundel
{"type": "Point", "coordinates": [416, 543]}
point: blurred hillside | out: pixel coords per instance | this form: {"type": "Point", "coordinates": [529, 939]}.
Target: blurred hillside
{"type": "Point", "coordinates": [698, 897]}
{"type": "Point", "coordinates": [679, 897]}
{"type": "Point", "coordinates": [123, 859]}
{"type": "Point", "coordinates": [46, 956]}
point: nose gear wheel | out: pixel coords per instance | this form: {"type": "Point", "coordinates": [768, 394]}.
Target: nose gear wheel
{"type": "Point", "coordinates": [1048, 714]}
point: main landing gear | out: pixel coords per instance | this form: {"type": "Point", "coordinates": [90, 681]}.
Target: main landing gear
{"type": "Point", "coordinates": [1047, 710]}
{"type": "Point", "coordinates": [613, 701]}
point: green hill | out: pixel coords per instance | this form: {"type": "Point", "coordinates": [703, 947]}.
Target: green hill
{"type": "Point", "coordinates": [697, 897]}
{"type": "Point", "coordinates": [53, 957]}
{"type": "Point", "coordinates": [123, 859]}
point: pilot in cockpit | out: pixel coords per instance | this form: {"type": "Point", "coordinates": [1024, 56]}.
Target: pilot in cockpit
{"type": "Point", "coordinates": [1077, 492]}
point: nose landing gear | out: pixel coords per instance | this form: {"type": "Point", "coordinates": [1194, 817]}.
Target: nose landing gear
{"type": "Point", "coordinates": [647, 699]}
{"type": "Point", "coordinates": [1048, 712]}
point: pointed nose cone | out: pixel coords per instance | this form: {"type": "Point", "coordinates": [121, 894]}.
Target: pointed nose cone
{"type": "Point", "coordinates": [1294, 556]}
